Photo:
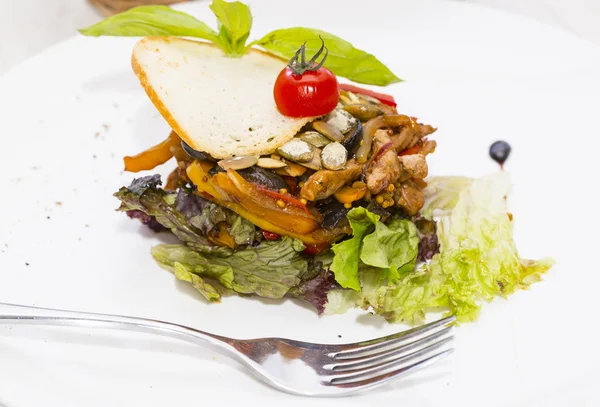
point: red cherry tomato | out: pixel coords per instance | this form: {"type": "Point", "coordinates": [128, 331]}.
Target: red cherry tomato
{"type": "Point", "coordinates": [314, 93]}
{"type": "Point", "coordinates": [306, 88]}
{"type": "Point", "coordinates": [382, 97]}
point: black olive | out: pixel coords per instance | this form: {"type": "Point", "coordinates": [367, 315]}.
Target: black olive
{"type": "Point", "coordinates": [333, 212]}
{"type": "Point", "coordinates": [352, 140]}
{"type": "Point", "coordinates": [499, 151]}
{"type": "Point", "coordinates": [263, 177]}
{"type": "Point", "coordinates": [195, 153]}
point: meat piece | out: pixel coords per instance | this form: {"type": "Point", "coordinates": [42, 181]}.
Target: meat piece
{"type": "Point", "coordinates": [324, 183]}
{"type": "Point", "coordinates": [406, 138]}
{"type": "Point", "coordinates": [414, 165]}
{"type": "Point", "coordinates": [409, 136]}
{"type": "Point", "coordinates": [410, 197]}
{"type": "Point", "coordinates": [426, 129]}
{"type": "Point", "coordinates": [385, 167]}
{"type": "Point", "coordinates": [428, 147]}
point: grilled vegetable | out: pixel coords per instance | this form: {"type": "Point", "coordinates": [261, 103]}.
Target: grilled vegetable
{"type": "Point", "coordinates": [375, 124]}
{"type": "Point", "coordinates": [328, 130]}
{"type": "Point", "coordinates": [195, 153]}
{"type": "Point", "coordinates": [263, 177]}
{"type": "Point", "coordinates": [353, 138]}
{"type": "Point", "coordinates": [381, 97]}
{"type": "Point", "coordinates": [154, 156]}
{"type": "Point", "coordinates": [363, 111]}
{"type": "Point", "coordinates": [347, 195]}
{"type": "Point", "coordinates": [333, 213]}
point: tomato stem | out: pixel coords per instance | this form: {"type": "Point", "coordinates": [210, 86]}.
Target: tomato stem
{"type": "Point", "coordinates": [298, 62]}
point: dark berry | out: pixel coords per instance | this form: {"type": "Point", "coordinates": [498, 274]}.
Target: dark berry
{"type": "Point", "coordinates": [499, 151]}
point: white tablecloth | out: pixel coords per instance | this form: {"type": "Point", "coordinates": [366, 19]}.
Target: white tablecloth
{"type": "Point", "coordinates": [29, 26]}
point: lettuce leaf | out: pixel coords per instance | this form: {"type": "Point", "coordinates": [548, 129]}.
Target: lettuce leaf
{"type": "Point", "coordinates": [190, 217]}
{"type": "Point", "coordinates": [347, 253]}
{"type": "Point", "coordinates": [269, 270]}
{"type": "Point", "coordinates": [392, 247]}
{"type": "Point", "coordinates": [478, 260]}
{"type": "Point", "coordinates": [441, 195]}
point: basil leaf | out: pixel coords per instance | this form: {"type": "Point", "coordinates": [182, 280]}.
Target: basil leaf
{"type": "Point", "coordinates": [235, 22]}
{"type": "Point", "coordinates": [152, 20]}
{"type": "Point", "coordinates": [343, 59]}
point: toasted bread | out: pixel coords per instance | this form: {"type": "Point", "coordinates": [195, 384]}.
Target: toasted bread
{"type": "Point", "coordinates": [217, 104]}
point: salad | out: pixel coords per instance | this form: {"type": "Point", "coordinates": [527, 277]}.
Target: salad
{"type": "Point", "coordinates": [316, 190]}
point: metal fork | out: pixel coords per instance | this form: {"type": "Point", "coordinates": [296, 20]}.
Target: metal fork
{"type": "Point", "coordinates": [300, 368]}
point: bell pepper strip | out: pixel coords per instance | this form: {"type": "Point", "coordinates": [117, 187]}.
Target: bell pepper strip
{"type": "Point", "coordinates": [152, 157]}
{"type": "Point", "coordinates": [260, 210]}
{"type": "Point", "coordinates": [291, 183]}
{"type": "Point", "coordinates": [382, 97]}
{"type": "Point", "coordinates": [350, 194]}
{"type": "Point", "coordinates": [288, 217]}
{"type": "Point", "coordinates": [270, 235]}
{"type": "Point", "coordinates": [314, 249]}
{"type": "Point", "coordinates": [287, 198]}
{"type": "Point", "coordinates": [413, 150]}
{"type": "Point", "coordinates": [223, 238]}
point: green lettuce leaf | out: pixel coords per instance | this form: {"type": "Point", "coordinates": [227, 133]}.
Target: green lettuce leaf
{"type": "Point", "coordinates": [235, 22]}
{"type": "Point", "coordinates": [393, 247]}
{"type": "Point", "coordinates": [343, 59]}
{"type": "Point", "coordinates": [477, 253]}
{"type": "Point", "coordinates": [242, 230]}
{"type": "Point", "coordinates": [441, 194]}
{"type": "Point", "coordinates": [268, 270]}
{"type": "Point", "coordinates": [478, 261]}
{"type": "Point", "coordinates": [152, 20]}
{"type": "Point", "coordinates": [184, 273]}
{"type": "Point", "coordinates": [347, 253]}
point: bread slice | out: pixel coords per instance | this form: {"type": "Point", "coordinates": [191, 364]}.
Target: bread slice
{"type": "Point", "coordinates": [219, 105]}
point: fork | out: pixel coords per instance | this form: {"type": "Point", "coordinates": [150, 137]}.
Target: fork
{"type": "Point", "coordinates": [299, 368]}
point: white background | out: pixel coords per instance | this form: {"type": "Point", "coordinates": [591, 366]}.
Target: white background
{"type": "Point", "coordinates": [29, 26]}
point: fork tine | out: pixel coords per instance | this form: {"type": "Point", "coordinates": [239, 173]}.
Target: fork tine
{"type": "Point", "coordinates": [344, 365]}
{"type": "Point", "coordinates": [393, 364]}
{"type": "Point", "coordinates": [365, 382]}
{"type": "Point", "coordinates": [362, 349]}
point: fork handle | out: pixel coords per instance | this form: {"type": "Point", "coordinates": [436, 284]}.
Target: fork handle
{"type": "Point", "coordinates": [22, 314]}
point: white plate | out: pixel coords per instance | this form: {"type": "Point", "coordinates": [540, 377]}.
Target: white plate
{"type": "Point", "coordinates": [71, 113]}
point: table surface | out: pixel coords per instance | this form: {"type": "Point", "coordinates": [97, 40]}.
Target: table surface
{"type": "Point", "coordinates": [29, 26]}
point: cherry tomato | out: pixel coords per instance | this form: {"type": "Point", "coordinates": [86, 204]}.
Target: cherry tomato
{"type": "Point", "coordinates": [314, 93]}
{"type": "Point", "coordinates": [306, 88]}
{"type": "Point", "coordinates": [382, 97]}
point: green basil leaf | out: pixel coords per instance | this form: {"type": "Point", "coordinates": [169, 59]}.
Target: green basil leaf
{"type": "Point", "coordinates": [152, 20]}
{"type": "Point", "coordinates": [235, 22]}
{"type": "Point", "coordinates": [343, 59]}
